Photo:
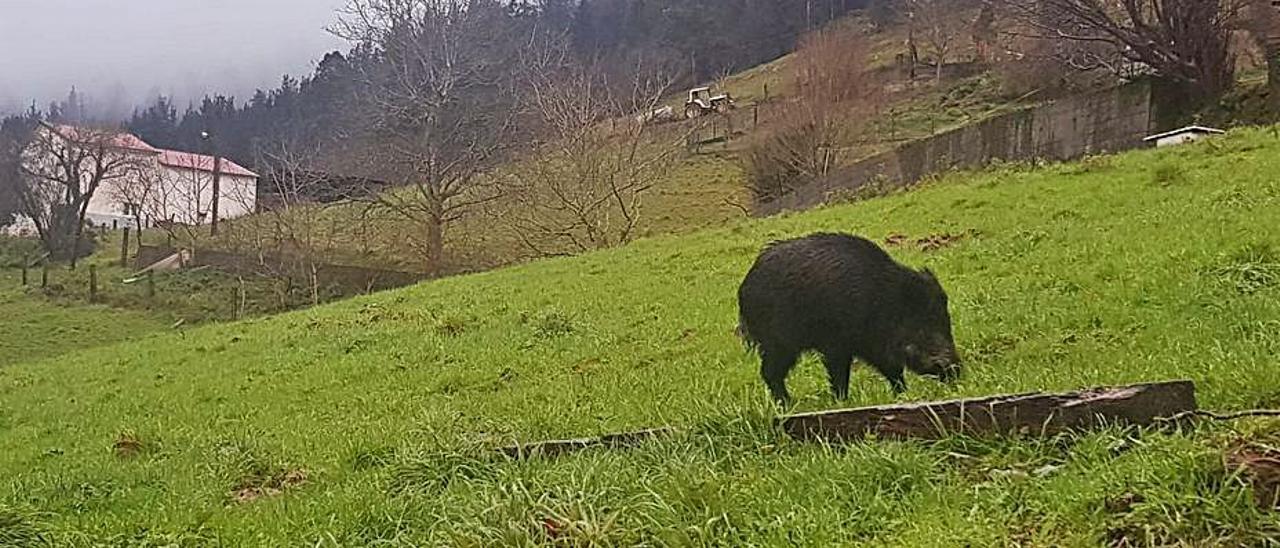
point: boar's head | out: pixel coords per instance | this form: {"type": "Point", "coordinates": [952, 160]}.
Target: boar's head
{"type": "Point", "coordinates": [924, 334]}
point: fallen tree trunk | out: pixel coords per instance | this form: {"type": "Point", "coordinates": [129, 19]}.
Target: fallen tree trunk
{"type": "Point", "coordinates": [1033, 413]}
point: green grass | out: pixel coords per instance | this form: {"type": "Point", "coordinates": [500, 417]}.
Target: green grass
{"type": "Point", "coordinates": [371, 415]}
{"type": "Point", "coordinates": [33, 327]}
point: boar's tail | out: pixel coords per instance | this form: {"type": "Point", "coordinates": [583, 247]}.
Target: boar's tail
{"type": "Point", "coordinates": [747, 340]}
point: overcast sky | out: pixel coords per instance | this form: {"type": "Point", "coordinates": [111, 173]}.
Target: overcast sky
{"type": "Point", "coordinates": [121, 52]}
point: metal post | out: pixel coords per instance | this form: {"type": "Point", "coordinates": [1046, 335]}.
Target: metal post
{"type": "Point", "coordinates": [217, 192]}
{"type": "Point", "coordinates": [24, 274]}
{"type": "Point", "coordinates": [151, 284]}
{"type": "Point", "coordinates": [44, 276]}
{"type": "Point", "coordinates": [217, 179]}
{"type": "Point", "coordinates": [93, 283]}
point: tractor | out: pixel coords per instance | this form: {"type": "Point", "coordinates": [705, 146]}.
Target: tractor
{"type": "Point", "coordinates": [702, 102]}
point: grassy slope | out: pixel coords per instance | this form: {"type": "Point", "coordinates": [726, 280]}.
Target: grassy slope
{"type": "Point", "coordinates": [32, 327]}
{"type": "Point", "coordinates": [701, 191]}
{"type": "Point", "coordinates": [1146, 266]}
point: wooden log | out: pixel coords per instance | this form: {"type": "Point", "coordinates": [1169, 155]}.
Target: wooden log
{"type": "Point", "coordinates": [1033, 413]}
{"type": "Point", "coordinates": [556, 447]}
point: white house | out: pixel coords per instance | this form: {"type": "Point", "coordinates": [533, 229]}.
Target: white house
{"type": "Point", "coordinates": [1182, 135]}
{"type": "Point", "coordinates": [156, 185]}
{"type": "Point", "coordinates": [185, 190]}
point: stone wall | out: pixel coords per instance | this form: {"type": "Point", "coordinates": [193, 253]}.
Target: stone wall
{"type": "Point", "coordinates": [349, 278]}
{"type": "Point", "coordinates": [1107, 121]}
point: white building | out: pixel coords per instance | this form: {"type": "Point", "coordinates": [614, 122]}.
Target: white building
{"type": "Point", "coordinates": [185, 190]}
{"type": "Point", "coordinates": [1182, 135]}
{"type": "Point", "coordinates": [157, 186]}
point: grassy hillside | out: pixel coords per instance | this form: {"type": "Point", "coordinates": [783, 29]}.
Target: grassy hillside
{"type": "Point", "coordinates": [364, 421]}
{"type": "Point", "coordinates": [708, 186]}
{"type": "Point", "coordinates": [32, 327]}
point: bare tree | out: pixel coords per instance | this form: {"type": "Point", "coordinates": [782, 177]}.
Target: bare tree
{"type": "Point", "coordinates": [292, 235]}
{"type": "Point", "coordinates": [1184, 42]}
{"type": "Point", "coordinates": [63, 168]}
{"type": "Point", "coordinates": [984, 32]}
{"type": "Point", "coordinates": [137, 194]}
{"type": "Point", "coordinates": [177, 201]}
{"type": "Point", "coordinates": [584, 187]}
{"type": "Point", "coordinates": [940, 24]}
{"type": "Point", "coordinates": [1262, 19]}
{"type": "Point", "coordinates": [835, 101]}
{"type": "Point", "coordinates": [15, 135]}
{"type": "Point", "coordinates": [440, 104]}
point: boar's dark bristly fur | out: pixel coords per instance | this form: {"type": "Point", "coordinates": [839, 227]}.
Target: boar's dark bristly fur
{"type": "Point", "coordinates": [844, 297]}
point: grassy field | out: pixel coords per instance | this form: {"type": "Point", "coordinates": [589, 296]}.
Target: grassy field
{"type": "Point", "coordinates": [365, 421]}
{"type": "Point", "coordinates": [32, 327]}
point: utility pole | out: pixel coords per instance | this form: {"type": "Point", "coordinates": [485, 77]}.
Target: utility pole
{"type": "Point", "coordinates": [217, 180]}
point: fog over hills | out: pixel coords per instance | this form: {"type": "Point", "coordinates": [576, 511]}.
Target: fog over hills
{"type": "Point", "coordinates": [120, 54]}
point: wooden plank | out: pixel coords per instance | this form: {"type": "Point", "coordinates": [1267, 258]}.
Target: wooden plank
{"type": "Point", "coordinates": [1032, 413]}
{"type": "Point", "coordinates": [556, 447]}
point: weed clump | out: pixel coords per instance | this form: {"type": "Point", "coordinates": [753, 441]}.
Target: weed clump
{"type": "Point", "coordinates": [451, 325]}
{"type": "Point", "coordinates": [1251, 269]}
{"type": "Point", "coordinates": [20, 528]}
{"type": "Point", "coordinates": [256, 474]}
{"type": "Point", "coordinates": [1169, 175]}
{"type": "Point", "coordinates": [129, 444]}
{"type": "Point", "coordinates": [549, 323]}
{"type": "Point", "coordinates": [435, 471]}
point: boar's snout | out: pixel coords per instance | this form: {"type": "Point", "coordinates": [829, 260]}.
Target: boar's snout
{"type": "Point", "coordinates": [948, 368]}
{"type": "Point", "coordinates": [944, 366]}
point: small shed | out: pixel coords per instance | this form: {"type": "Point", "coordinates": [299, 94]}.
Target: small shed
{"type": "Point", "coordinates": [1182, 135]}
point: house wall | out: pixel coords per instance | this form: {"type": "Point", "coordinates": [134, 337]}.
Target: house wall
{"type": "Point", "coordinates": [186, 196]}
{"type": "Point", "coordinates": [1177, 139]}
{"type": "Point", "coordinates": [173, 193]}
{"type": "Point", "coordinates": [105, 206]}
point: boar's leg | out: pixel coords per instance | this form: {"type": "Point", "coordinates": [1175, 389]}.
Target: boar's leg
{"type": "Point", "coordinates": [774, 365]}
{"type": "Point", "coordinates": [893, 374]}
{"type": "Point", "coordinates": [838, 364]}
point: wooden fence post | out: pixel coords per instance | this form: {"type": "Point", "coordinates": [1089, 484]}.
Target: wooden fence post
{"type": "Point", "coordinates": [124, 248]}
{"type": "Point", "coordinates": [44, 276]}
{"type": "Point", "coordinates": [151, 284]}
{"type": "Point", "coordinates": [24, 274]}
{"type": "Point", "coordinates": [93, 283]}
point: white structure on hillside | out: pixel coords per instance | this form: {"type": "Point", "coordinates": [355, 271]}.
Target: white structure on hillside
{"type": "Point", "coordinates": [156, 186]}
{"type": "Point", "coordinates": [1182, 135]}
{"type": "Point", "coordinates": [185, 191]}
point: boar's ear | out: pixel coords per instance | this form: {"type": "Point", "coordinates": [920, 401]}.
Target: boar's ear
{"type": "Point", "coordinates": [928, 274]}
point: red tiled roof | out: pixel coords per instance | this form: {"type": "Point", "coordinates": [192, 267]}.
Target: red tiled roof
{"type": "Point", "coordinates": [200, 162]}
{"type": "Point", "coordinates": [171, 158]}
{"type": "Point", "coordinates": [115, 139]}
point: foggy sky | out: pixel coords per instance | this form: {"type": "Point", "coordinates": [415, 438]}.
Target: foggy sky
{"type": "Point", "coordinates": [123, 52]}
